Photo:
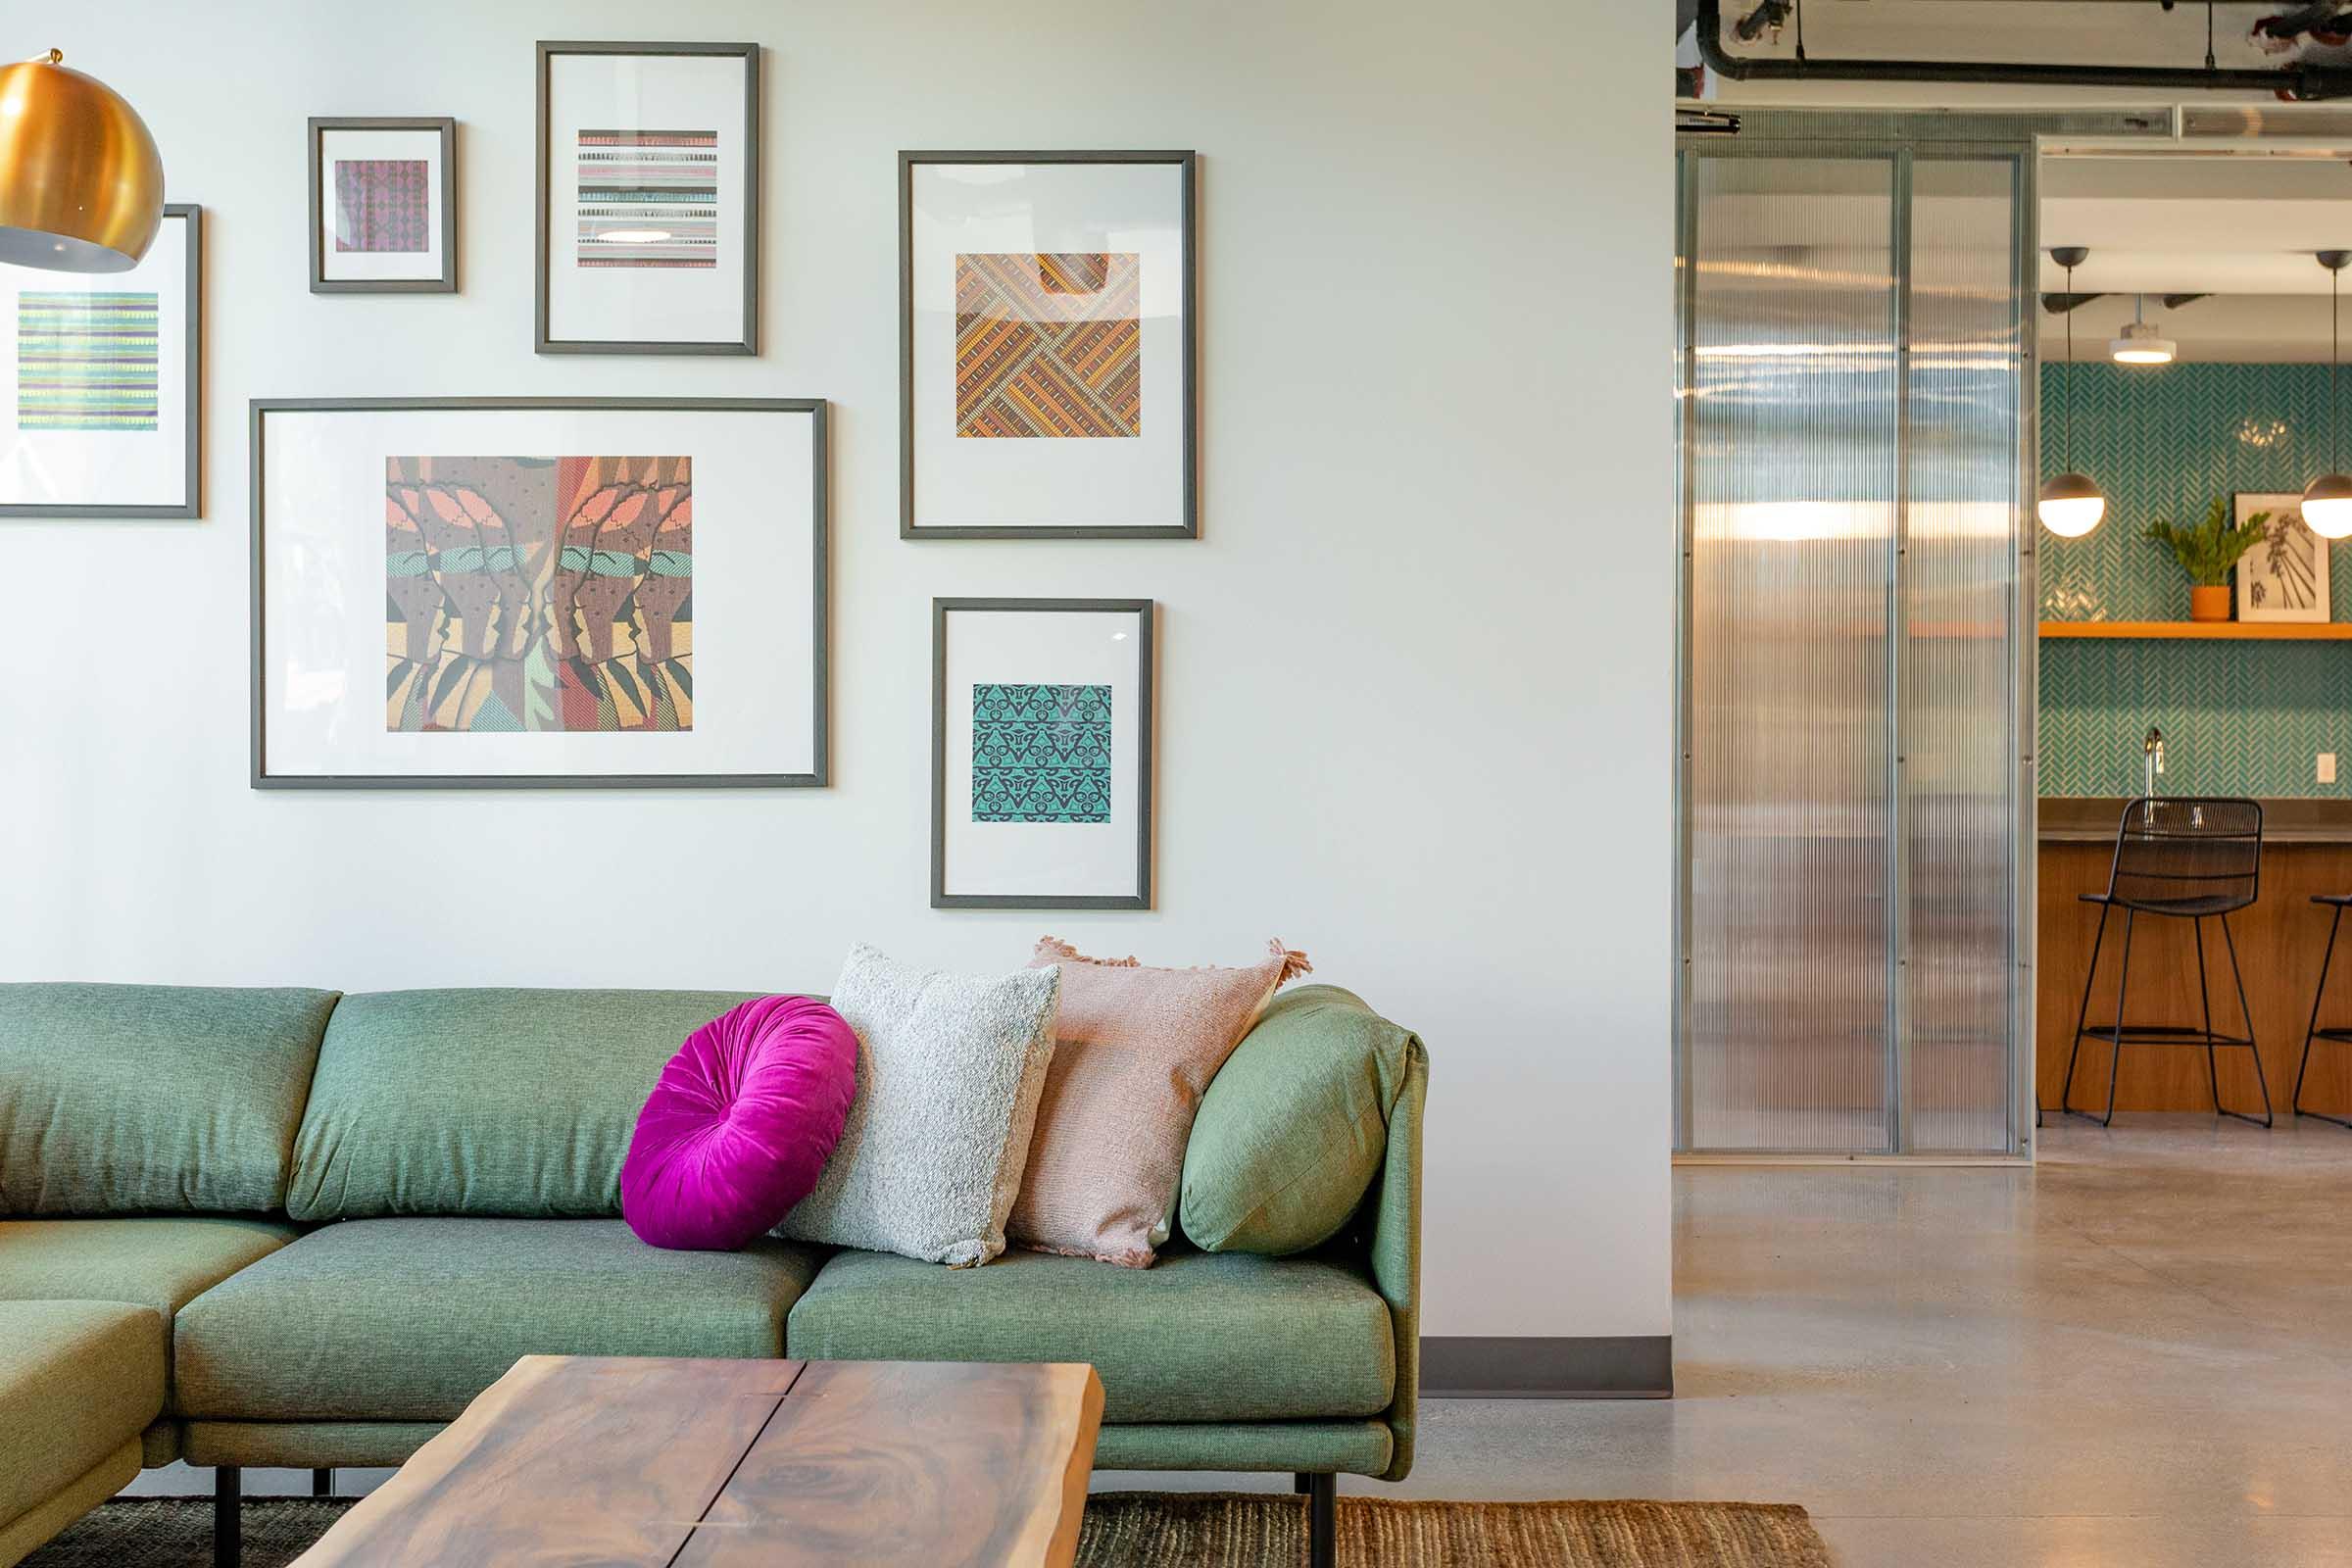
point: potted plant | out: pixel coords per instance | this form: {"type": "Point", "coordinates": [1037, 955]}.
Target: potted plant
{"type": "Point", "coordinates": [2207, 551]}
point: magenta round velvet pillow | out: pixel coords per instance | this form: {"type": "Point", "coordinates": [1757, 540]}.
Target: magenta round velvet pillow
{"type": "Point", "coordinates": [740, 1125]}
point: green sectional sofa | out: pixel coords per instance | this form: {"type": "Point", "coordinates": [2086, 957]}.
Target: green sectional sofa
{"type": "Point", "coordinates": [288, 1227]}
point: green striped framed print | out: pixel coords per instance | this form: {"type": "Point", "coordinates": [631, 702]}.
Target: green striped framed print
{"type": "Point", "coordinates": [104, 417]}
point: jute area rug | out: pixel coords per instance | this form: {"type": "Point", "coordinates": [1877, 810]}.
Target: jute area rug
{"type": "Point", "coordinates": [1134, 1530]}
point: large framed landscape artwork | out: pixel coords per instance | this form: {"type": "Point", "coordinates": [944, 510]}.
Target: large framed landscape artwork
{"type": "Point", "coordinates": [1047, 334]}
{"type": "Point", "coordinates": [535, 593]}
{"type": "Point", "coordinates": [648, 197]}
{"type": "Point", "coordinates": [106, 372]}
{"type": "Point", "coordinates": [1041, 749]}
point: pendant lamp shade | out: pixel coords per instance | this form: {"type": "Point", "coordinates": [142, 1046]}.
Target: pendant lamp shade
{"type": "Point", "coordinates": [2069, 504]}
{"type": "Point", "coordinates": [81, 185]}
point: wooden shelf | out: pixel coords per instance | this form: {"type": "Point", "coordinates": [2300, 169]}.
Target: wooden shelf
{"type": "Point", "coordinates": [2326, 631]}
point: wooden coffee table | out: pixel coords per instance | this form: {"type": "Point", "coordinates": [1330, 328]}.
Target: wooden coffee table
{"type": "Point", "coordinates": [708, 1464]}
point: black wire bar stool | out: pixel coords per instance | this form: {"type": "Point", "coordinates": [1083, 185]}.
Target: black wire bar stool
{"type": "Point", "coordinates": [2337, 900]}
{"type": "Point", "coordinates": [2181, 857]}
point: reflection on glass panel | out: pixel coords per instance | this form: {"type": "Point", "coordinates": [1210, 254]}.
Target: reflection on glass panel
{"type": "Point", "coordinates": [1959, 659]}
{"type": "Point", "coordinates": [1791, 415]}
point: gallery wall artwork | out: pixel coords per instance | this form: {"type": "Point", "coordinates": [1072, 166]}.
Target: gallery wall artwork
{"type": "Point", "coordinates": [539, 592]}
{"type": "Point", "coordinates": [2285, 578]}
{"type": "Point", "coordinates": [528, 594]}
{"type": "Point", "coordinates": [649, 198]}
{"type": "Point", "coordinates": [1047, 345]}
{"type": "Point", "coordinates": [105, 417]}
{"type": "Point", "coordinates": [383, 206]}
{"type": "Point", "coordinates": [1041, 737]}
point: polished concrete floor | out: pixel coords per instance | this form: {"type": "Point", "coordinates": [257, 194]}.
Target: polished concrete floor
{"type": "Point", "coordinates": [2137, 1355]}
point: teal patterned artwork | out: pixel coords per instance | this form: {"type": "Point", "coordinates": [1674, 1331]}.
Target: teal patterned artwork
{"type": "Point", "coordinates": [2238, 718]}
{"type": "Point", "coordinates": [1041, 753]}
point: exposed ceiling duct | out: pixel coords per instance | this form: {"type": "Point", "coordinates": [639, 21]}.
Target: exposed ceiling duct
{"type": "Point", "coordinates": [2298, 79]}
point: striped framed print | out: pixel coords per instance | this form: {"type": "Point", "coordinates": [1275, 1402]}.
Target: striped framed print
{"type": "Point", "coordinates": [649, 198]}
{"type": "Point", "coordinates": [106, 377]}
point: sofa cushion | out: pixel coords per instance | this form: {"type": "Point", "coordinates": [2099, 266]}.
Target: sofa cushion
{"type": "Point", "coordinates": [77, 1380]}
{"type": "Point", "coordinates": [409, 1319]}
{"type": "Point", "coordinates": [129, 1098]}
{"type": "Point", "coordinates": [1200, 1336]}
{"type": "Point", "coordinates": [157, 1261]}
{"type": "Point", "coordinates": [485, 1102]}
{"type": "Point", "coordinates": [1293, 1127]}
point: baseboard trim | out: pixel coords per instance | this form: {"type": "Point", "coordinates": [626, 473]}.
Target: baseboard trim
{"type": "Point", "coordinates": [1626, 1366]}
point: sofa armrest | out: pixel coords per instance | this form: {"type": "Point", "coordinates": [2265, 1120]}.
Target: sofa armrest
{"type": "Point", "coordinates": [1395, 1260]}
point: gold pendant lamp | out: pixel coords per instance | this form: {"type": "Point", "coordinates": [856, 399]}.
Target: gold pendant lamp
{"type": "Point", "coordinates": [81, 185]}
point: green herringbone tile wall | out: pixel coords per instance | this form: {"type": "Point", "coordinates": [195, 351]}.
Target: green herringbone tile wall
{"type": "Point", "coordinates": [2238, 718]}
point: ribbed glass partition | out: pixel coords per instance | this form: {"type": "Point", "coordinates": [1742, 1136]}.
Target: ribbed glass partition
{"type": "Point", "coordinates": [1851, 418]}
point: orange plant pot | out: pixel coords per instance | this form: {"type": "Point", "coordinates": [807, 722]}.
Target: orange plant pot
{"type": "Point", "coordinates": [2209, 604]}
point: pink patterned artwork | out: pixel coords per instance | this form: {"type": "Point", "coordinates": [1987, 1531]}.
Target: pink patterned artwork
{"type": "Point", "coordinates": [382, 203]}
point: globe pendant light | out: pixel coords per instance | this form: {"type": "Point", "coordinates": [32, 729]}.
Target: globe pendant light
{"type": "Point", "coordinates": [2070, 506]}
{"type": "Point", "coordinates": [2328, 500]}
{"type": "Point", "coordinates": [82, 186]}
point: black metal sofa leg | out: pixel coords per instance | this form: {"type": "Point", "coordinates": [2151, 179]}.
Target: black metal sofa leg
{"type": "Point", "coordinates": [1322, 1517]}
{"type": "Point", "coordinates": [228, 1528]}
{"type": "Point", "coordinates": [322, 1483]}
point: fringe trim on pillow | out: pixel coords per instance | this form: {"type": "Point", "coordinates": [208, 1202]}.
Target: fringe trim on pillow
{"type": "Point", "coordinates": [1294, 964]}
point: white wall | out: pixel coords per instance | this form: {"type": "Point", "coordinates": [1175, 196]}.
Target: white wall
{"type": "Point", "coordinates": [1416, 672]}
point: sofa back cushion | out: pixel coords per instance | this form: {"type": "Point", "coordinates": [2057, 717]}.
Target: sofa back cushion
{"type": "Point", "coordinates": [152, 1098]}
{"type": "Point", "coordinates": [515, 1102]}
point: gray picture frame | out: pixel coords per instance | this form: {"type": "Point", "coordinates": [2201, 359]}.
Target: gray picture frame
{"type": "Point", "coordinates": [1145, 612]}
{"type": "Point", "coordinates": [447, 283]}
{"type": "Point", "coordinates": [819, 775]}
{"type": "Point", "coordinates": [193, 463]}
{"type": "Point", "coordinates": [748, 344]}
{"type": "Point", "coordinates": [1189, 163]}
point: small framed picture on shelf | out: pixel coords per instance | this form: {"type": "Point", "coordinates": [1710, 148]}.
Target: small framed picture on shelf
{"type": "Point", "coordinates": [536, 593]}
{"type": "Point", "coordinates": [649, 198]}
{"type": "Point", "coordinates": [2283, 578]}
{"type": "Point", "coordinates": [1041, 753]}
{"type": "Point", "coordinates": [383, 206]}
{"type": "Point", "coordinates": [1047, 345]}
{"type": "Point", "coordinates": [109, 375]}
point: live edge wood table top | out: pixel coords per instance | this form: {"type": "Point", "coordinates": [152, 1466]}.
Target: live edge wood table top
{"type": "Point", "coordinates": [626, 1460]}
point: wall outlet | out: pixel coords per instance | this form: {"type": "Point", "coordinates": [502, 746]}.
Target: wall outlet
{"type": "Point", "coordinates": [2327, 768]}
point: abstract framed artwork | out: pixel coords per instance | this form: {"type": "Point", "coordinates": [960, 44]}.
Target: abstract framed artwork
{"type": "Point", "coordinates": [383, 206]}
{"type": "Point", "coordinates": [2285, 578]}
{"type": "Point", "coordinates": [648, 197]}
{"type": "Point", "coordinates": [1041, 753]}
{"type": "Point", "coordinates": [106, 419]}
{"type": "Point", "coordinates": [1047, 345]}
{"type": "Point", "coordinates": [534, 593]}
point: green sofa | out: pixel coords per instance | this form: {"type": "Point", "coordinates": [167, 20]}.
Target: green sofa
{"type": "Point", "coordinates": [288, 1227]}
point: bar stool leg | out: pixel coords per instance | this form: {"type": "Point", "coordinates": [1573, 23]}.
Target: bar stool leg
{"type": "Point", "coordinates": [2261, 1079]}
{"type": "Point", "coordinates": [2327, 957]}
{"type": "Point", "coordinates": [2213, 1074]}
{"type": "Point", "coordinates": [2115, 1055]}
{"type": "Point", "coordinates": [2066, 1095]}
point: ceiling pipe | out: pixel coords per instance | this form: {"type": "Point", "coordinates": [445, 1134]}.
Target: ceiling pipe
{"type": "Point", "coordinates": [2309, 83]}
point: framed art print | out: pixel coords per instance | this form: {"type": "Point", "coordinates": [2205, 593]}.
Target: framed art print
{"type": "Point", "coordinates": [106, 417]}
{"type": "Point", "coordinates": [383, 206]}
{"type": "Point", "coordinates": [1041, 753]}
{"type": "Point", "coordinates": [2283, 578]}
{"type": "Point", "coordinates": [1047, 345]}
{"type": "Point", "coordinates": [649, 198]}
{"type": "Point", "coordinates": [538, 592]}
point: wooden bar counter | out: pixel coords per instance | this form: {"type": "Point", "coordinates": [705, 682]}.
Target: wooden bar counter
{"type": "Point", "coordinates": [2307, 848]}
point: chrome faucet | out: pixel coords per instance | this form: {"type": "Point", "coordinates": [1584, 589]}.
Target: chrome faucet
{"type": "Point", "coordinates": [2152, 758]}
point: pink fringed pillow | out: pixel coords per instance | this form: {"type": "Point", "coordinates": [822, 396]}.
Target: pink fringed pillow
{"type": "Point", "coordinates": [740, 1124]}
{"type": "Point", "coordinates": [1134, 1050]}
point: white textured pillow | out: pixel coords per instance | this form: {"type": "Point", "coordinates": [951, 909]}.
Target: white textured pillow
{"type": "Point", "coordinates": [950, 1068]}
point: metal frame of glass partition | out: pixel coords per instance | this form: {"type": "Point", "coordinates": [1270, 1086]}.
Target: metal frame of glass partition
{"type": "Point", "coordinates": [1905, 143]}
